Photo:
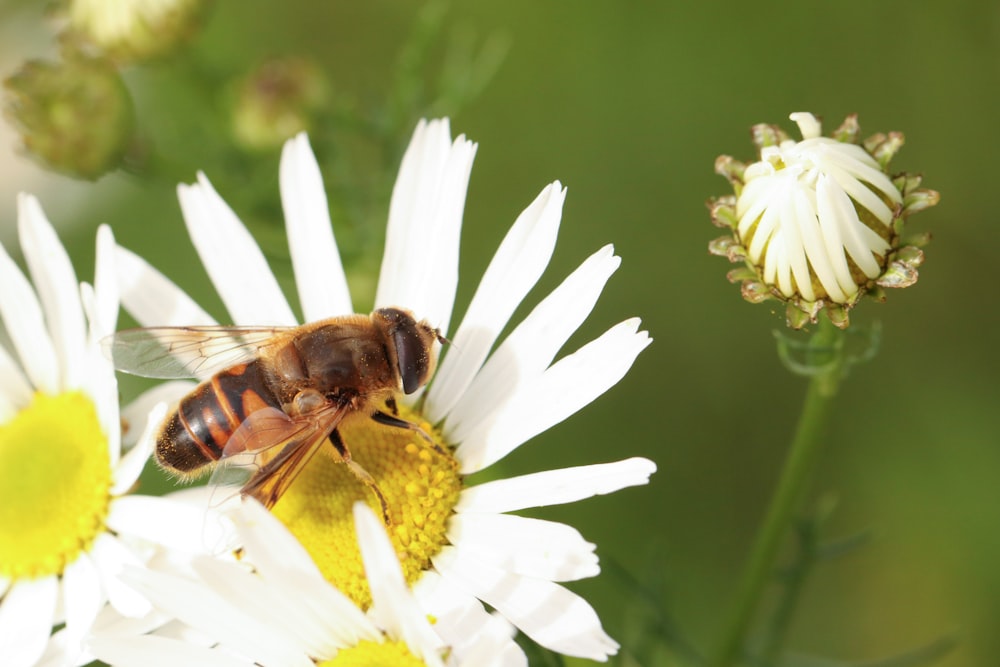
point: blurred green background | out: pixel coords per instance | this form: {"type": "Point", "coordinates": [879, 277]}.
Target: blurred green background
{"type": "Point", "coordinates": [628, 104]}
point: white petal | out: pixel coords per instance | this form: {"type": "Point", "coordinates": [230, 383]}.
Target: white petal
{"type": "Point", "coordinates": [151, 298]}
{"type": "Point", "coordinates": [548, 613]}
{"type": "Point", "coordinates": [174, 629]}
{"type": "Point", "coordinates": [494, 646]}
{"type": "Point", "coordinates": [101, 304]}
{"type": "Point", "coordinates": [274, 550]}
{"type": "Point", "coordinates": [856, 163]}
{"type": "Point", "coordinates": [136, 414]}
{"type": "Point", "coordinates": [794, 248]}
{"type": "Point", "coordinates": [529, 349]}
{"type": "Point", "coordinates": [555, 487]}
{"type": "Point", "coordinates": [836, 207]}
{"type": "Point", "coordinates": [476, 637]}
{"type": "Point", "coordinates": [460, 616]}
{"type": "Point", "coordinates": [59, 653]}
{"type": "Point", "coordinates": [232, 258]}
{"type": "Point", "coordinates": [394, 609]}
{"type": "Point", "coordinates": [767, 228]}
{"type": "Point", "coordinates": [99, 381]}
{"type": "Point", "coordinates": [22, 316]}
{"type": "Point", "coordinates": [295, 627]}
{"type": "Point", "coordinates": [756, 196]}
{"type": "Point", "coordinates": [15, 392]}
{"type": "Point", "coordinates": [860, 192]}
{"type": "Point", "coordinates": [131, 465]}
{"type": "Point", "coordinates": [83, 599]}
{"type": "Point", "coordinates": [279, 557]}
{"type": "Point", "coordinates": [109, 621]}
{"type": "Point", "coordinates": [203, 608]}
{"type": "Point", "coordinates": [53, 276]}
{"type": "Point", "coordinates": [111, 557]}
{"type": "Point", "coordinates": [530, 547]}
{"type": "Point", "coordinates": [182, 527]}
{"type": "Point", "coordinates": [809, 126]}
{"type": "Point", "coordinates": [514, 270]}
{"type": "Point", "coordinates": [26, 616]}
{"type": "Point", "coordinates": [821, 257]}
{"type": "Point", "coordinates": [420, 262]}
{"type": "Point", "coordinates": [106, 299]}
{"type": "Point", "coordinates": [319, 274]}
{"type": "Point", "coordinates": [150, 651]}
{"type": "Point", "coordinates": [568, 385]}
{"type": "Point", "coordinates": [833, 235]}
{"type": "Point", "coordinates": [778, 249]}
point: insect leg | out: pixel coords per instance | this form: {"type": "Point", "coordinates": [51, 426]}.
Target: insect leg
{"type": "Point", "coordinates": [360, 473]}
{"type": "Point", "coordinates": [389, 420]}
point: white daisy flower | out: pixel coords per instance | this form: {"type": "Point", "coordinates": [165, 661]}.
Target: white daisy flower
{"type": "Point", "coordinates": [276, 609]}
{"type": "Point", "coordinates": [458, 545]}
{"type": "Point", "coordinates": [67, 523]}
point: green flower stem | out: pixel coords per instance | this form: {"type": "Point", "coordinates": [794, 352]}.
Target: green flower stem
{"type": "Point", "coordinates": [787, 497]}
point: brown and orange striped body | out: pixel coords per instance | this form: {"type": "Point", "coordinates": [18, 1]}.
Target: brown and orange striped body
{"type": "Point", "coordinates": [346, 359]}
{"type": "Point", "coordinates": [196, 434]}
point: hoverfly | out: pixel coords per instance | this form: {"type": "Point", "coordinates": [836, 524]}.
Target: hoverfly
{"type": "Point", "coordinates": [277, 394]}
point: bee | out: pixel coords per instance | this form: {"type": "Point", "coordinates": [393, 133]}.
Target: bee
{"type": "Point", "coordinates": [278, 394]}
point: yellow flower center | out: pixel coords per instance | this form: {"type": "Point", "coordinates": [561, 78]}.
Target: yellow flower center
{"type": "Point", "coordinates": [419, 484]}
{"type": "Point", "coordinates": [55, 481]}
{"type": "Point", "coordinates": [373, 654]}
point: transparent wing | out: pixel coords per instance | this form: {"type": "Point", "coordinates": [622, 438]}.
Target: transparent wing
{"type": "Point", "coordinates": [184, 352]}
{"type": "Point", "coordinates": [270, 448]}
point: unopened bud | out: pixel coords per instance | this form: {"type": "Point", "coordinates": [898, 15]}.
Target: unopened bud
{"type": "Point", "coordinates": [74, 116]}
{"type": "Point", "coordinates": [131, 30]}
{"type": "Point", "coordinates": [819, 221]}
{"type": "Point", "coordinates": [277, 101]}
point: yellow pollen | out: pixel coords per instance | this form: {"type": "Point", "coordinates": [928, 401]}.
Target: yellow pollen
{"type": "Point", "coordinates": [55, 481]}
{"type": "Point", "coordinates": [420, 486]}
{"type": "Point", "coordinates": [374, 654]}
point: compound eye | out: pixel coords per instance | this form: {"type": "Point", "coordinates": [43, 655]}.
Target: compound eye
{"type": "Point", "coordinates": [411, 354]}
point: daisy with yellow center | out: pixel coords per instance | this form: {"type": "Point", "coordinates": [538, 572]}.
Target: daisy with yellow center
{"type": "Point", "coordinates": [818, 221]}
{"type": "Point", "coordinates": [276, 609]}
{"type": "Point", "coordinates": [67, 527]}
{"type": "Point", "coordinates": [458, 545]}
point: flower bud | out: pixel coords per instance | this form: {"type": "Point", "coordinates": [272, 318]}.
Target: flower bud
{"type": "Point", "coordinates": [277, 101]}
{"type": "Point", "coordinates": [131, 30]}
{"type": "Point", "coordinates": [818, 222]}
{"type": "Point", "coordinates": [74, 116]}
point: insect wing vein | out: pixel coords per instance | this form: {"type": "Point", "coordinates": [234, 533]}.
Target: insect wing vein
{"type": "Point", "coordinates": [185, 352]}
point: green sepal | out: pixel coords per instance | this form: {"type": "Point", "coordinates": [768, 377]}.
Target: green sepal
{"type": "Point", "coordinates": [731, 168]}
{"type": "Point", "coordinates": [883, 147]}
{"type": "Point", "coordinates": [849, 130]}
{"type": "Point", "coordinates": [915, 201]}
{"type": "Point", "coordinates": [910, 255]}
{"type": "Point", "coordinates": [723, 212]}
{"type": "Point", "coordinates": [740, 274]}
{"type": "Point", "coordinates": [838, 315]}
{"type": "Point", "coordinates": [755, 292]}
{"type": "Point", "coordinates": [764, 134]}
{"type": "Point", "coordinates": [897, 274]}
{"type": "Point", "coordinates": [727, 246]}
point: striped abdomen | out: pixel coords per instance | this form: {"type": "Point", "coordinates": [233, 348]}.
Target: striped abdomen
{"type": "Point", "coordinates": [196, 434]}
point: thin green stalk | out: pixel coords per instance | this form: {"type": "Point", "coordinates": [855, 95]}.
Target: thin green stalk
{"type": "Point", "coordinates": [787, 498]}
{"type": "Point", "coordinates": [794, 584]}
